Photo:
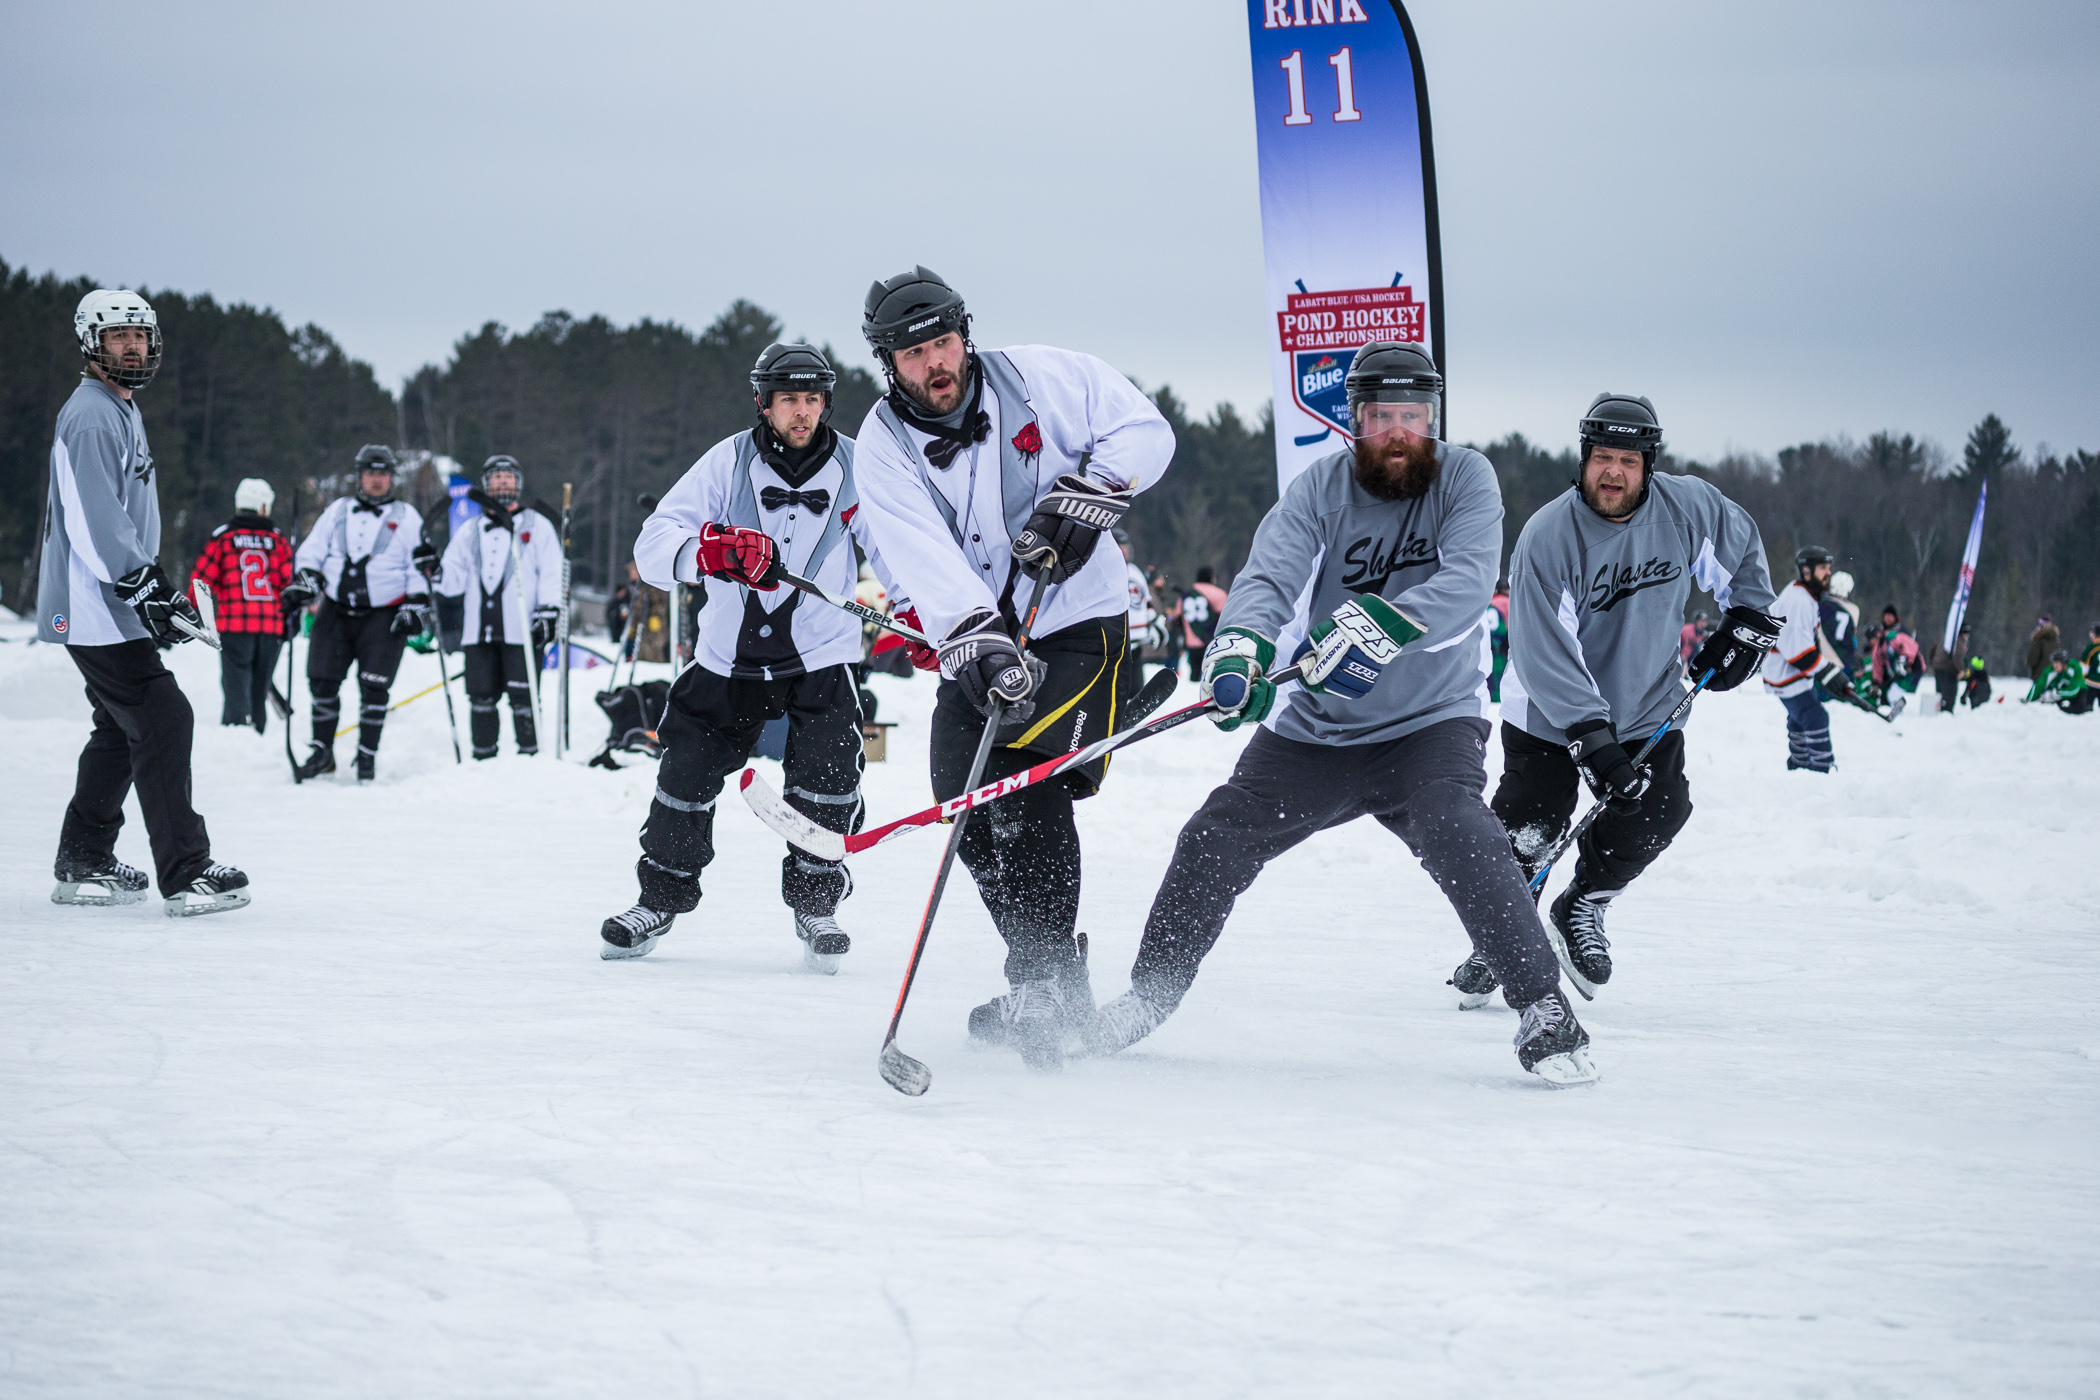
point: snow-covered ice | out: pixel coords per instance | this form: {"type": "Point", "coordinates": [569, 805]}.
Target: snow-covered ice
{"type": "Point", "coordinates": [396, 1130]}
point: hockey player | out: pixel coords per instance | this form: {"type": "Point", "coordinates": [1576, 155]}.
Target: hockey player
{"type": "Point", "coordinates": [782, 494]}
{"type": "Point", "coordinates": [1393, 542]}
{"type": "Point", "coordinates": [246, 565]}
{"type": "Point", "coordinates": [1600, 577]}
{"type": "Point", "coordinates": [2063, 682]}
{"type": "Point", "coordinates": [504, 566]}
{"type": "Point", "coordinates": [981, 470]}
{"type": "Point", "coordinates": [101, 595]}
{"type": "Point", "coordinates": [1148, 630]}
{"type": "Point", "coordinates": [1801, 659]}
{"type": "Point", "coordinates": [358, 561]}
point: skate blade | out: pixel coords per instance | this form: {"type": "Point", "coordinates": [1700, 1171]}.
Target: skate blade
{"type": "Point", "coordinates": [1567, 964]}
{"type": "Point", "coordinates": [903, 1073]}
{"type": "Point", "coordinates": [191, 906]}
{"type": "Point", "coordinates": [825, 963]}
{"type": "Point", "coordinates": [93, 895]}
{"type": "Point", "coordinates": [1473, 1001]}
{"type": "Point", "coordinates": [1567, 1071]}
{"type": "Point", "coordinates": [612, 951]}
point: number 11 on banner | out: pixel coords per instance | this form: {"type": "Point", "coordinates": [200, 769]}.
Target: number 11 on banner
{"type": "Point", "coordinates": [1344, 83]}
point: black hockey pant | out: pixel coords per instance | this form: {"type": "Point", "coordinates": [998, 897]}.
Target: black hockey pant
{"type": "Point", "coordinates": [141, 740]}
{"type": "Point", "coordinates": [341, 640]}
{"type": "Point", "coordinates": [1023, 850]}
{"type": "Point", "coordinates": [708, 731]}
{"type": "Point", "coordinates": [1536, 797]}
{"type": "Point", "coordinates": [493, 668]}
{"type": "Point", "coordinates": [1424, 788]}
{"type": "Point", "coordinates": [246, 660]}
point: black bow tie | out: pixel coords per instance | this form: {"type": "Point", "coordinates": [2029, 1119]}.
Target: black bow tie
{"type": "Point", "coordinates": [774, 497]}
{"type": "Point", "coordinates": [367, 505]}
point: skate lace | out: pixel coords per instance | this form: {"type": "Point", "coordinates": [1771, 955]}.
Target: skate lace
{"type": "Point", "coordinates": [640, 919]}
{"type": "Point", "coordinates": [1586, 925]}
{"type": "Point", "coordinates": [1542, 1017]}
{"type": "Point", "coordinates": [1031, 1000]}
{"type": "Point", "coordinates": [216, 872]}
{"type": "Point", "coordinates": [816, 925]}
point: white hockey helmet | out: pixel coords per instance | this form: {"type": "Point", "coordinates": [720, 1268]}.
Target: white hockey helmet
{"type": "Point", "coordinates": [107, 308]}
{"type": "Point", "coordinates": [1841, 584]}
{"type": "Point", "coordinates": [254, 494]}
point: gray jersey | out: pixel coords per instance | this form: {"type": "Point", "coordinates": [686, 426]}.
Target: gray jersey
{"type": "Point", "coordinates": [1596, 607]}
{"type": "Point", "coordinates": [1433, 558]}
{"type": "Point", "coordinates": [103, 520]}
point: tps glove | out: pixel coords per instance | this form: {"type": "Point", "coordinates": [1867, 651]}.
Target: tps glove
{"type": "Point", "coordinates": [1352, 648]}
{"type": "Point", "coordinates": [1610, 773]}
{"type": "Point", "coordinates": [1235, 679]}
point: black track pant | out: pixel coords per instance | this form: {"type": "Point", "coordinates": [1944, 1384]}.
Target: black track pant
{"type": "Point", "coordinates": [342, 640]}
{"type": "Point", "coordinates": [708, 731]}
{"type": "Point", "coordinates": [1424, 788]}
{"type": "Point", "coordinates": [1537, 797]}
{"type": "Point", "coordinates": [493, 668]}
{"type": "Point", "coordinates": [1023, 850]}
{"type": "Point", "coordinates": [245, 662]}
{"type": "Point", "coordinates": [141, 739]}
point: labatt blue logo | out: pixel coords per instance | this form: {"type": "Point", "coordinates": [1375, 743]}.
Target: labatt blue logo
{"type": "Point", "coordinates": [1319, 382]}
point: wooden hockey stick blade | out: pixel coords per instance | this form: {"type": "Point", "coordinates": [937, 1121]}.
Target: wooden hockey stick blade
{"type": "Point", "coordinates": [799, 831]}
{"type": "Point", "coordinates": [902, 1072]}
{"type": "Point", "coordinates": [207, 616]}
{"type": "Point", "coordinates": [282, 706]}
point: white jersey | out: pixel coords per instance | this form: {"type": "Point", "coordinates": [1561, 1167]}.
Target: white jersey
{"type": "Point", "coordinates": [1790, 666]}
{"type": "Point", "coordinates": [745, 633]}
{"type": "Point", "coordinates": [1147, 628]}
{"type": "Point", "coordinates": [949, 531]}
{"type": "Point", "coordinates": [380, 537]}
{"type": "Point", "coordinates": [499, 602]}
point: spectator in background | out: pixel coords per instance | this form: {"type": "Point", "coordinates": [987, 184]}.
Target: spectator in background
{"type": "Point", "coordinates": [1840, 619]}
{"type": "Point", "coordinates": [1497, 619]}
{"type": "Point", "coordinates": [617, 610]}
{"type": "Point", "coordinates": [1895, 654]}
{"type": "Point", "coordinates": [1148, 630]}
{"type": "Point", "coordinates": [2092, 656]}
{"type": "Point", "coordinates": [1200, 609]}
{"type": "Point", "coordinates": [246, 565]}
{"type": "Point", "coordinates": [2062, 682]}
{"type": "Point", "coordinates": [1692, 636]}
{"type": "Point", "coordinates": [1976, 683]}
{"type": "Point", "coordinates": [1947, 669]}
{"type": "Point", "coordinates": [1167, 599]}
{"type": "Point", "coordinates": [2041, 644]}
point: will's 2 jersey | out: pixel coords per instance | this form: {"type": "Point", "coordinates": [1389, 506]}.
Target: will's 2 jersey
{"type": "Point", "coordinates": [1329, 540]}
{"type": "Point", "coordinates": [746, 633]}
{"type": "Point", "coordinates": [380, 538]}
{"type": "Point", "coordinates": [1596, 615]}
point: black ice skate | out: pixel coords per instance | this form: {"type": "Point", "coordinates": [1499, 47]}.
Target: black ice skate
{"type": "Point", "coordinates": [1035, 1023]}
{"type": "Point", "coordinates": [318, 761]}
{"type": "Point", "coordinates": [1552, 1044]}
{"type": "Point", "coordinates": [104, 881]}
{"type": "Point", "coordinates": [218, 889]}
{"type": "Point", "coordinates": [823, 942]}
{"type": "Point", "coordinates": [1578, 935]}
{"type": "Point", "coordinates": [634, 933]}
{"type": "Point", "coordinates": [367, 766]}
{"type": "Point", "coordinates": [1476, 985]}
{"type": "Point", "coordinates": [1124, 1022]}
{"type": "Point", "coordinates": [991, 1023]}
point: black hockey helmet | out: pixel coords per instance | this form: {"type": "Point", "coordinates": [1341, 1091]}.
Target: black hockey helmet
{"type": "Point", "coordinates": [1807, 557]}
{"type": "Point", "coordinates": [377, 457]}
{"type": "Point", "coordinates": [1395, 371]}
{"type": "Point", "coordinates": [503, 462]}
{"type": "Point", "coordinates": [909, 309]}
{"type": "Point", "coordinates": [2060, 657]}
{"type": "Point", "coordinates": [793, 365]}
{"type": "Point", "coordinates": [1621, 420]}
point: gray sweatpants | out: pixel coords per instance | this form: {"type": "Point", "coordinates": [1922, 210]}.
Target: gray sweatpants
{"type": "Point", "coordinates": [1425, 789]}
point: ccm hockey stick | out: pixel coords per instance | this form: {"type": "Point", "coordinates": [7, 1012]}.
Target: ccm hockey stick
{"type": "Point", "coordinates": [903, 1073]}
{"type": "Point", "coordinates": [1596, 808]}
{"type": "Point", "coordinates": [799, 831]}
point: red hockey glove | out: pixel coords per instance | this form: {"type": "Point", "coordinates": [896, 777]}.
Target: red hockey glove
{"type": "Point", "coordinates": [922, 656]}
{"type": "Point", "coordinates": [739, 555]}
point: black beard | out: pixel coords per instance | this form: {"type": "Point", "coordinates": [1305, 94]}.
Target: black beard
{"type": "Point", "coordinates": [1397, 475]}
{"type": "Point", "coordinates": [920, 395]}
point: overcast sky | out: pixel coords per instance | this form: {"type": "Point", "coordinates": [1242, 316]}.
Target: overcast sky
{"type": "Point", "coordinates": [1780, 221]}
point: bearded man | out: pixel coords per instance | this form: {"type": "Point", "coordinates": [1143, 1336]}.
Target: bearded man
{"type": "Point", "coordinates": [1394, 544]}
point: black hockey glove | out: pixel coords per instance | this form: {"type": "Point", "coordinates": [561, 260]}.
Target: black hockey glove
{"type": "Point", "coordinates": [543, 620]}
{"type": "Point", "coordinates": [1604, 765]}
{"type": "Point", "coordinates": [1736, 647]}
{"type": "Point", "coordinates": [299, 594]}
{"type": "Point", "coordinates": [1059, 538]}
{"type": "Point", "coordinates": [978, 656]}
{"type": "Point", "coordinates": [157, 603]}
{"type": "Point", "coordinates": [412, 618]}
{"type": "Point", "coordinates": [425, 557]}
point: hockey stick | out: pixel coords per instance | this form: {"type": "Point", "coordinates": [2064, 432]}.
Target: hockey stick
{"type": "Point", "coordinates": [903, 1073]}
{"type": "Point", "coordinates": [205, 629]}
{"type": "Point", "coordinates": [1596, 808]}
{"type": "Point", "coordinates": [799, 831]}
{"type": "Point", "coordinates": [857, 608]}
{"type": "Point", "coordinates": [445, 684]}
{"type": "Point", "coordinates": [291, 641]}
{"type": "Point", "coordinates": [561, 631]}
{"type": "Point", "coordinates": [437, 634]}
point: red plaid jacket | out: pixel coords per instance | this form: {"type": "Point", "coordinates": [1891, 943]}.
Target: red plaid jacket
{"type": "Point", "coordinates": [246, 566]}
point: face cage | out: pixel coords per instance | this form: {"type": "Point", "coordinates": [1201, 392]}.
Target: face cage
{"type": "Point", "coordinates": [117, 372]}
{"type": "Point", "coordinates": [517, 489]}
{"type": "Point", "coordinates": [1436, 416]}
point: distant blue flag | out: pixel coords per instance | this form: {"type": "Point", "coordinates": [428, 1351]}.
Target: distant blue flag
{"type": "Point", "coordinates": [1967, 580]}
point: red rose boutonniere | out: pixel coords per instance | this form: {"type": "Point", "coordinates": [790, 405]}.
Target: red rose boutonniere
{"type": "Point", "coordinates": [1028, 442]}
